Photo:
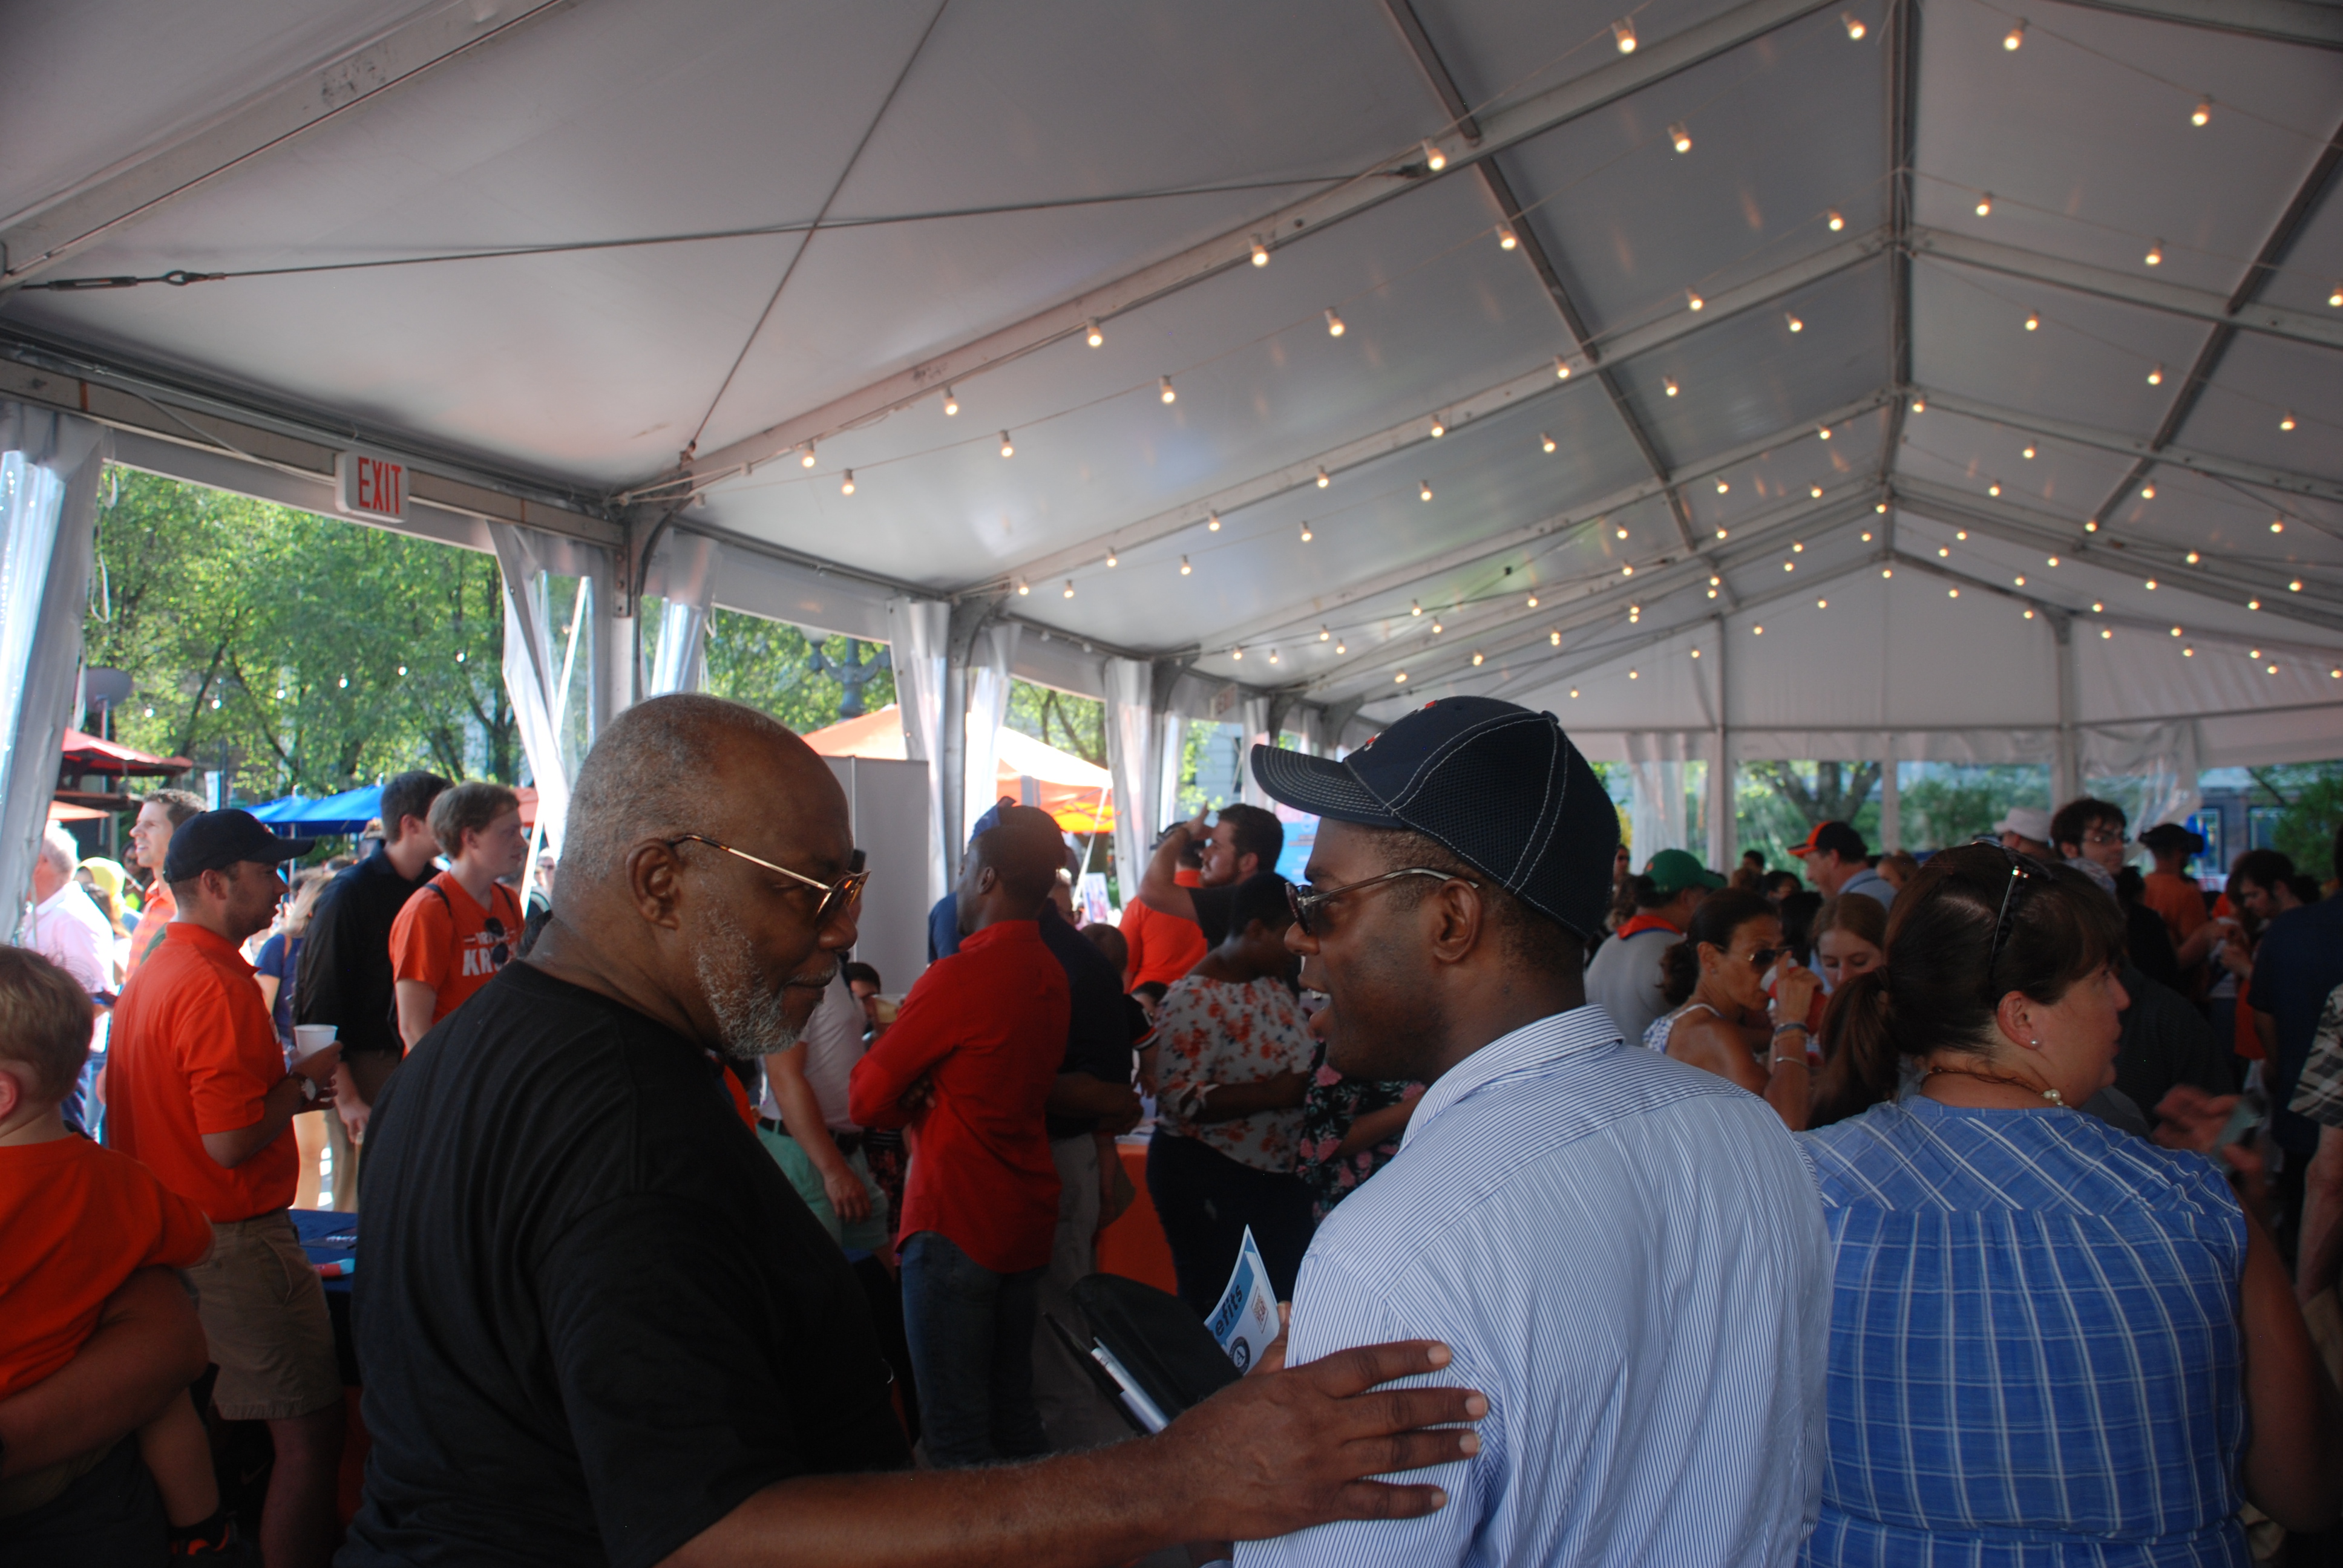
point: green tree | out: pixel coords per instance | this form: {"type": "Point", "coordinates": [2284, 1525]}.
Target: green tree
{"type": "Point", "coordinates": [773, 667]}
{"type": "Point", "coordinates": [1075, 725]}
{"type": "Point", "coordinates": [2311, 794]}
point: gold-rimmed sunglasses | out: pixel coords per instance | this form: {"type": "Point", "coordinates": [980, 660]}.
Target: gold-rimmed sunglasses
{"type": "Point", "coordinates": [835, 896]}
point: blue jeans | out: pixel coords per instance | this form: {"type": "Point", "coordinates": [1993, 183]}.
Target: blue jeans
{"type": "Point", "coordinates": [971, 1338]}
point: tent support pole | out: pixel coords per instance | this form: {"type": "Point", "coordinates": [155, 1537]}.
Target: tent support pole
{"type": "Point", "coordinates": [1723, 783]}
{"type": "Point", "coordinates": [2066, 780]}
{"type": "Point", "coordinates": [1891, 798]}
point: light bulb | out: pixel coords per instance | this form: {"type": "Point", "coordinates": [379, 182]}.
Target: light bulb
{"type": "Point", "coordinates": [1853, 23]}
{"type": "Point", "coordinates": [1023, 586]}
{"type": "Point", "coordinates": [2277, 525]}
{"type": "Point", "coordinates": [1984, 205]}
{"type": "Point", "coordinates": [2016, 37]}
{"type": "Point", "coordinates": [1943, 553]}
{"type": "Point", "coordinates": [1008, 447]}
{"type": "Point", "coordinates": [1437, 628]}
{"type": "Point", "coordinates": [1952, 593]}
{"type": "Point", "coordinates": [2151, 585]}
{"type": "Point", "coordinates": [1680, 136]}
{"type": "Point", "coordinates": [216, 700]}
{"type": "Point", "coordinates": [1724, 486]}
{"type": "Point", "coordinates": [2053, 560]}
{"type": "Point", "coordinates": [1168, 396]}
{"type": "Point", "coordinates": [1994, 489]}
{"type": "Point", "coordinates": [1306, 535]}
{"type": "Point", "coordinates": [1836, 223]}
{"type": "Point", "coordinates": [1422, 490]}
{"type": "Point", "coordinates": [1797, 548]}
{"type": "Point", "coordinates": [1887, 572]}
{"type": "Point", "coordinates": [2028, 454]}
{"type": "Point", "coordinates": [1758, 631]}
{"type": "Point", "coordinates": [1324, 635]}
{"type": "Point", "coordinates": [2147, 491]}
{"type": "Point", "coordinates": [1819, 604]}
{"type": "Point", "coordinates": [1634, 675]}
{"type": "Point", "coordinates": [1334, 327]}
{"type": "Point", "coordinates": [1400, 679]}
{"type": "Point", "coordinates": [1260, 254]}
{"type": "Point", "coordinates": [1212, 524]}
{"type": "Point", "coordinates": [2105, 634]}
{"type": "Point", "coordinates": [1092, 335]}
{"type": "Point", "coordinates": [2202, 113]}
{"type": "Point", "coordinates": [1342, 648]}
{"type": "Point", "coordinates": [1414, 607]}
{"type": "Point", "coordinates": [2092, 527]}
{"type": "Point", "coordinates": [1545, 440]}
{"type": "Point", "coordinates": [1438, 429]}
{"type": "Point", "coordinates": [1824, 432]}
{"type": "Point", "coordinates": [1789, 566]}
{"type": "Point", "coordinates": [2175, 631]}
{"type": "Point", "coordinates": [804, 458]}
{"type": "Point", "coordinates": [1561, 368]}
{"type": "Point", "coordinates": [2294, 587]}
{"type": "Point", "coordinates": [1324, 478]}
{"type": "Point", "coordinates": [952, 404]}
{"type": "Point", "coordinates": [1815, 491]}
{"type": "Point", "coordinates": [2098, 607]}
{"type": "Point", "coordinates": [2156, 377]}
{"type": "Point", "coordinates": [1881, 508]}
{"type": "Point", "coordinates": [1720, 533]}
{"type": "Point", "coordinates": [1477, 660]}
{"type": "Point", "coordinates": [1434, 158]}
{"type": "Point", "coordinates": [1867, 536]}
{"type": "Point", "coordinates": [1919, 405]}
{"type": "Point", "coordinates": [846, 486]}
{"type": "Point", "coordinates": [1272, 656]}
{"type": "Point", "coordinates": [1507, 239]}
{"type": "Point", "coordinates": [2020, 579]}
{"type": "Point", "coordinates": [1184, 568]}
{"type": "Point", "coordinates": [1533, 601]}
{"type": "Point", "coordinates": [2335, 297]}
{"type": "Point", "coordinates": [1236, 653]}
{"type": "Point", "coordinates": [1692, 301]}
{"type": "Point", "coordinates": [1111, 558]}
{"type": "Point", "coordinates": [2155, 256]}
{"type": "Point", "coordinates": [150, 711]}
{"type": "Point", "coordinates": [2192, 557]}
{"type": "Point", "coordinates": [402, 669]}
{"type": "Point", "coordinates": [345, 686]}
{"type": "Point", "coordinates": [1627, 571]}
{"type": "Point", "coordinates": [2287, 423]}
{"type": "Point", "coordinates": [2033, 322]}
{"type": "Point", "coordinates": [1671, 384]}
{"type": "Point", "coordinates": [1622, 533]}
{"type": "Point", "coordinates": [1070, 587]}
{"type": "Point", "coordinates": [1624, 30]}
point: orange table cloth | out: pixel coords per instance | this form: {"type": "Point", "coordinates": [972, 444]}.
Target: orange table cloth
{"type": "Point", "coordinates": [1133, 1246]}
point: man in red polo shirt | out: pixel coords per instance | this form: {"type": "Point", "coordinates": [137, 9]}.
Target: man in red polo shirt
{"type": "Point", "coordinates": [197, 1090]}
{"type": "Point", "coordinates": [969, 1064]}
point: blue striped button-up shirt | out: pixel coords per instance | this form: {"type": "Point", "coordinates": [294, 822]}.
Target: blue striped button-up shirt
{"type": "Point", "coordinates": [1627, 1256]}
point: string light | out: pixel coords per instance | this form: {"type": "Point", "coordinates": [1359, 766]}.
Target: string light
{"type": "Point", "coordinates": [2156, 377]}
{"type": "Point", "coordinates": [805, 457]}
{"type": "Point", "coordinates": [1796, 324]}
{"type": "Point", "coordinates": [2106, 634]}
{"type": "Point", "coordinates": [1422, 490]}
{"type": "Point", "coordinates": [1008, 447]}
{"type": "Point", "coordinates": [1334, 327]}
{"type": "Point", "coordinates": [1306, 535]}
{"type": "Point", "coordinates": [952, 404]}
{"type": "Point", "coordinates": [1624, 30]}
{"type": "Point", "coordinates": [2091, 527]}
{"type": "Point", "coordinates": [2151, 585]}
{"type": "Point", "coordinates": [1723, 487]}
{"type": "Point", "coordinates": [1414, 607]}
{"type": "Point", "coordinates": [2016, 37]}
{"type": "Point", "coordinates": [1815, 491]}
{"type": "Point", "coordinates": [1919, 405]}
{"type": "Point", "coordinates": [1622, 532]}
{"type": "Point", "coordinates": [1023, 587]}
{"type": "Point", "coordinates": [2202, 113]}
{"type": "Point", "coordinates": [2175, 631]}
{"type": "Point", "coordinates": [1070, 587]}
{"type": "Point", "coordinates": [1533, 601]}
{"type": "Point", "coordinates": [1507, 239]}
{"type": "Point", "coordinates": [1436, 627]}
{"type": "Point", "coordinates": [1671, 383]}
{"type": "Point", "coordinates": [1881, 508]}
{"type": "Point", "coordinates": [1545, 440]}
{"type": "Point", "coordinates": [2096, 607]}
{"type": "Point", "coordinates": [1272, 656]}
{"type": "Point", "coordinates": [1836, 223]}
{"type": "Point", "coordinates": [1824, 432]}
{"type": "Point", "coordinates": [1555, 638]}
{"type": "Point", "coordinates": [2147, 491]}
{"type": "Point", "coordinates": [1962, 535]}
{"type": "Point", "coordinates": [1994, 489]}
{"type": "Point", "coordinates": [1867, 536]}
{"type": "Point", "coordinates": [1438, 429]}
{"type": "Point", "coordinates": [1634, 675]}
{"type": "Point", "coordinates": [2020, 579]}
{"type": "Point", "coordinates": [1260, 251]}
{"type": "Point", "coordinates": [1324, 480]}
{"type": "Point", "coordinates": [2155, 256]}
{"type": "Point", "coordinates": [1943, 553]}
{"type": "Point", "coordinates": [1092, 335]}
{"type": "Point", "coordinates": [1758, 631]}
{"type": "Point", "coordinates": [1692, 300]}
{"type": "Point", "coordinates": [1789, 566]}
{"type": "Point", "coordinates": [2029, 453]}
{"type": "Point", "coordinates": [1237, 653]}
{"type": "Point", "coordinates": [1476, 659]}
{"type": "Point", "coordinates": [1853, 23]}
{"type": "Point", "coordinates": [1561, 368]}
{"type": "Point", "coordinates": [1324, 635]}
{"type": "Point", "coordinates": [1822, 604]}
{"type": "Point", "coordinates": [1184, 568]}
{"type": "Point", "coordinates": [2294, 587]}
{"type": "Point", "coordinates": [1984, 205]}
{"type": "Point", "coordinates": [1111, 558]}
{"type": "Point", "coordinates": [846, 488]}
{"type": "Point", "coordinates": [1720, 533]}
{"type": "Point", "coordinates": [1680, 136]}
{"type": "Point", "coordinates": [1886, 571]}
{"type": "Point", "coordinates": [1627, 571]}
{"type": "Point", "coordinates": [2033, 322]}
{"type": "Point", "coordinates": [1168, 396]}
{"type": "Point", "coordinates": [1342, 648]}
{"type": "Point", "coordinates": [2277, 525]}
{"type": "Point", "coordinates": [2194, 557]}
{"type": "Point", "coordinates": [1434, 158]}
{"type": "Point", "coordinates": [1212, 524]}
{"type": "Point", "coordinates": [2288, 422]}
{"type": "Point", "coordinates": [1952, 593]}
{"type": "Point", "coordinates": [2335, 297]}
{"type": "Point", "coordinates": [1400, 679]}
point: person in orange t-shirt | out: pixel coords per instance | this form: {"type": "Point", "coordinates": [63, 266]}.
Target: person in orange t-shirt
{"type": "Point", "coordinates": [76, 1222]}
{"type": "Point", "coordinates": [200, 1091]}
{"type": "Point", "coordinates": [460, 928]}
{"type": "Point", "coordinates": [1163, 947]}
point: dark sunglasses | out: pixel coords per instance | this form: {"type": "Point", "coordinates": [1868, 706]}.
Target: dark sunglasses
{"type": "Point", "coordinates": [502, 952]}
{"type": "Point", "coordinates": [1305, 906]}
{"type": "Point", "coordinates": [2022, 868]}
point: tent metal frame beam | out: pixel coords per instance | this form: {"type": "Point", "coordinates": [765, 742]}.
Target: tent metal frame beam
{"type": "Point", "coordinates": [1597, 89]}
{"type": "Point", "coordinates": [41, 237]}
{"type": "Point", "coordinates": [2300, 22]}
{"type": "Point", "coordinates": [2209, 463]}
{"type": "Point", "coordinates": [2123, 288]}
{"type": "Point", "coordinates": [1399, 578]}
{"type": "Point", "coordinates": [1459, 415]}
{"type": "Point", "coordinates": [2120, 618]}
{"type": "Point", "coordinates": [2264, 267]}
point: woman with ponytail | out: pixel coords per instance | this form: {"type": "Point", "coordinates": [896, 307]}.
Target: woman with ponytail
{"type": "Point", "coordinates": [2039, 1323]}
{"type": "Point", "coordinates": [1723, 1020]}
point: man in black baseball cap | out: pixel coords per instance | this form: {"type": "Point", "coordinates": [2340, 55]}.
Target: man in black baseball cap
{"type": "Point", "coordinates": [1608, 1237]}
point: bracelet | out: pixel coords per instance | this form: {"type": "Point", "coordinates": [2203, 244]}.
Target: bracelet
{"type": "Point", "coordinates": [1782, 1029]}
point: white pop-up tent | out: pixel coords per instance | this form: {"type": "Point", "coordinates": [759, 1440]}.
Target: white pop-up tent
{"type": "Point", "coordinates": [1286, 364]}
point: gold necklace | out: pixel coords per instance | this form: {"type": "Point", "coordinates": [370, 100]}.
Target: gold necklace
{"type": "Point", "coordinates": [2052, 1095]}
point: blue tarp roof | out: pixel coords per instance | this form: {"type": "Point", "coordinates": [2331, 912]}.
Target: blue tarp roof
{"type": "Point", "coordinates": [348, 812]}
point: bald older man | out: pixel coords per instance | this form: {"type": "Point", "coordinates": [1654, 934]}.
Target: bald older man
{"type": "Point", "coordinates": [596, 1323]}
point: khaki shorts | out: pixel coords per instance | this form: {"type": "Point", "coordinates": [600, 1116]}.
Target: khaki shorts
{"type": "Point", "coordinates": [263, 1312]}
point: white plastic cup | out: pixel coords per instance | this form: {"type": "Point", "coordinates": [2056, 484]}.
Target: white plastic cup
{"type": "Point", "coordinates": [309, 1038]}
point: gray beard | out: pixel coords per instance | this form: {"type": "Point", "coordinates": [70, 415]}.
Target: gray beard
{"type": "Point", "coordinates": [751, 1020]}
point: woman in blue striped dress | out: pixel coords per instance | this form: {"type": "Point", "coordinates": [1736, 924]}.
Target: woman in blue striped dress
{"type": "Point", "coordinates": [2052, 1343]}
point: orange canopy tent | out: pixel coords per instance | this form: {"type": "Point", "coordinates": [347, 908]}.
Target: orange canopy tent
{"type": "Point", "coordinates": [1078, 794]}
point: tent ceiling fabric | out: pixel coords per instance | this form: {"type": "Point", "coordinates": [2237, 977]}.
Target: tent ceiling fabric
{"type": "Point", "coordinates": [1996, 380]}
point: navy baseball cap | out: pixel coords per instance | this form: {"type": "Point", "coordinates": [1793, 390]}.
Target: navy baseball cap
{"type": "Point", "coordinates": [215, 840]}
{"type": "Point", "coordinates": [1499, 787]}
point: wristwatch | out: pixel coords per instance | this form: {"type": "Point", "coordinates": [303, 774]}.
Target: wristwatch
{"type": "Point", "coordinates": [309, 1088]}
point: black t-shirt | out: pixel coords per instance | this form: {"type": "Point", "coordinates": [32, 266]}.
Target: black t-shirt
{"type": "Point", "coordinates": [1214, 909]}
{"type": "Point", "coordinates": [1098, 1030]}
{"type": "Point", "coordinates": [2165, 1043]}
{"type": "Point", "coordinates": [592, 1316]}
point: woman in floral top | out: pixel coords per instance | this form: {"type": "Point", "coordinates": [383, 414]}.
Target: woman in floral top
{"type": "Point", "coordinates": [1351, 1127]}
{"type": "Point", "coordinates": [1235, 1058]}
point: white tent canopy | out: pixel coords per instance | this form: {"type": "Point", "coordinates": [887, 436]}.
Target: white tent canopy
{"type": "Point", "coordinates": [1598, 307]}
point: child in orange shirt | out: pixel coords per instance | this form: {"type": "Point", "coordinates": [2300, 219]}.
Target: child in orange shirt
{"type": "Point", "coordinates": [77, 1221]}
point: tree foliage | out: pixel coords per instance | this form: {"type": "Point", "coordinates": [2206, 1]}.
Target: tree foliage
{"type": "Point", "coordinates": [780, 669]}
{"type": "Point", "coordinates": [1074, 725]}
{"type": "Point", "coordinates": [2310, 797]}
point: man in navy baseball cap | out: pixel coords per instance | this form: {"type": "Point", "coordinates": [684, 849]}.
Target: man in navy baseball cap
{"type": "Point", "coordinates": [1606, 1236]}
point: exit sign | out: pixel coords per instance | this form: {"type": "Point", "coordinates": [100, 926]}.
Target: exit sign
{"type": "Point", "coordinates": [372, 486]}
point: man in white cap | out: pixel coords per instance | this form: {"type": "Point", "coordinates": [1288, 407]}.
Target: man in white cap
{"type": "Point", "coordinates": [2027, 830]}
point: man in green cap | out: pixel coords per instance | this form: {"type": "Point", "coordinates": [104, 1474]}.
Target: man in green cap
{"type": "Point", "coordinates": [1623, 981]}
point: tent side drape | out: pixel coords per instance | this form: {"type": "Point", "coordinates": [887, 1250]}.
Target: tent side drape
{"type": "Point", "coordinates": [1656, 803]}
{"type": "Point", "coordinates": [49, 468]}
{"type": "Point", "coordinates": [919, 632]}
{"type": "Point", "coordinates": [684, 576]}
{"type": "Point", "coordinates": [1132, 735]}
{"type": "Point", "coordinates": [1252, 716]}
{"type": "Point", "coordinates": [990, 656]}
{"type": "Point", "coordinates": [533, 661]}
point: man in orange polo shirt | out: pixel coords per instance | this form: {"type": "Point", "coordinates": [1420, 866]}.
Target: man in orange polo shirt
{"type": "Point", "coordinates": [461, 926]}
{"type": "Point", "coordinates": [199, 1092]}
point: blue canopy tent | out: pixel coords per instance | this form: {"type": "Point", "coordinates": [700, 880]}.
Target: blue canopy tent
{"type": "Point", "coordinates": [348, 812]}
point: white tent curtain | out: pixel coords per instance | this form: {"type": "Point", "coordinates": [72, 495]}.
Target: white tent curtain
{"type": "Point", "coordinates": [1132, 733]}
{"type": "Point", "coordinates": [1656, 807]}
{"type": "Point", "coordinates": [919, 632]}
{"type": "Point", "coordinates": [989, 655]}
{"type": "Point", "coordinates": [1173, 741]}
{"type": "Point", "coordinates": [49, 468]}
{"type": "Point", "coordinates": [534, 663]}
{"type": "Point", "coordinates": [2164, 757]}
{"type": "Point", "coordinates": [1253, 714]}
{"type": "Point", "coordinates": [684, 578]}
